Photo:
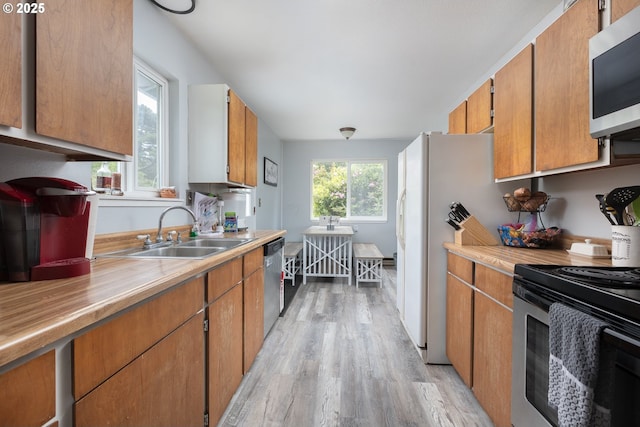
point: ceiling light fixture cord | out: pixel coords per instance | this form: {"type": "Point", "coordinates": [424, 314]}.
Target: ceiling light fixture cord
{"type": "Point", "coordinates": [179, 12]}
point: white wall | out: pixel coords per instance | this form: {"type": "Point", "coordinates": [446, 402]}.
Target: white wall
{"type": "Point", "coordinates": [269, 198]}
{"type": "Point", "coordinates": [297, 186]}
{"type": "Point", "coordinates": [574, 207]}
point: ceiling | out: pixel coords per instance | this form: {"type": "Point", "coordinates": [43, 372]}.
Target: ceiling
{"type": "Point", "coordinates": [390, 68]}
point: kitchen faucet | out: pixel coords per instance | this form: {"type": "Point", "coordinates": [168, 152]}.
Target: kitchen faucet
{"type": "Point", "coordinates": [159, 240]}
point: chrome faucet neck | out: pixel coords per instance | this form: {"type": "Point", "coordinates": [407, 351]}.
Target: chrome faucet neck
{"type": "Point", "coordinates": [184, 208]}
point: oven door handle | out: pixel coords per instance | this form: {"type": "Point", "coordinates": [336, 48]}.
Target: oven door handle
{"type": "Point", "coordinates": [624, 342]}
{"type": "Point", "coordinates": [532, 298]}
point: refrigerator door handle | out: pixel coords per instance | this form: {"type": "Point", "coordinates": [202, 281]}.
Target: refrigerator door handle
{"type": "Point", "coordinates": [400, 218]}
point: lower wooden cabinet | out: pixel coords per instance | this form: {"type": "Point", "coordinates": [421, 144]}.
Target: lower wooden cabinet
{"type": "Point", "coordinates": [460, 327]}
{"type": "Point", "coordinates": [479, 333]}
{"type": "Point", "coordinates": [164, 386]}
{"type": "Point", "coordinates": [492, 358]}
{"type": "Point", "coordinates": [225, 350]}
{"type": "Point", "coordinates": [146, 366]}
{"type": "Point", "coordinates": [28, 392]}
{"type": "Point", "coordinates": [236, 326]}
{"type": "Point", "coordinates": [253, 316]}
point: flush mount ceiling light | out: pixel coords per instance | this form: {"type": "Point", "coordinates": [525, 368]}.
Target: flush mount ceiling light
{"type": "Point", "coordinates": [347, 132]}
{"type": "Point", "coordinates": [180, 7]}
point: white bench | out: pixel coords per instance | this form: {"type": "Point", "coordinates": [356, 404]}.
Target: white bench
{"type": "Point", "coordinates": [291, 264]}
{"type": "Point", "coordinates": [368, 260]}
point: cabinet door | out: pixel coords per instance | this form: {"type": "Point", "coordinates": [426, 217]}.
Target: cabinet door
{"type": "Point", "coordinates": [84, 65]}
{"type": "Point", "coordinates": [479, 107]}
{"type": "Point", "coordinates": [236, 141]}
{"type": "Point", "coordinates": [251, 148]}
{"type": "Point", "coordinates": [28, 392]}
{"type": "Point", "coordinates": [460, 327]}
{"type": "Point", "coordinates": [101, 352]}
{"type": "Point", "coordinates": [458, 119]}
{"type": "Point", "coordinates": [225, 351]}
{"type": "Point", "coordinates": [562, 89]}
{"type": "Point", "coordinates": [619, 8]}
{"type": "Point", "coordinates": [162, 387]}
{"type": "Point", "coordinates": [11, 70]}
{"type": "Point", "coordinates": [513, 120]}
{"type": "Point", "coordinates": [253, 316]}
{"type": "Point", "coordinates": [492, 358]}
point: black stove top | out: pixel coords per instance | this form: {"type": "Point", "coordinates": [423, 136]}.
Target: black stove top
{"type": "Point", "coordinates": [603, 277]}
{"type": "Point", "coordinates": [614, 289]}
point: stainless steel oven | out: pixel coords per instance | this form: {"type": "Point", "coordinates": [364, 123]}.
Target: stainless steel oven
{"type": "Point", "coordinates": [535, 289]}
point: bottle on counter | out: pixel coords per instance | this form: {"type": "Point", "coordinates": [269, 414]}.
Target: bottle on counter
{"type": "Point", "coordinates": [103, 179]}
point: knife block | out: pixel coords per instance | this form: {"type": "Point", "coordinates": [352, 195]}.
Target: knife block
{"type": "Point", "coordinates": [472, 233]}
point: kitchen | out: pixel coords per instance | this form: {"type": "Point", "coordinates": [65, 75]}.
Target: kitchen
{"type": "Point", "coordinates": [575, 209]}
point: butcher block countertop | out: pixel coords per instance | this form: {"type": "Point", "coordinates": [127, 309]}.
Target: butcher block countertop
{"type": "Point", "coordinates": [505, 258]}
{"type": "Point", "coordinates": [34, 315]}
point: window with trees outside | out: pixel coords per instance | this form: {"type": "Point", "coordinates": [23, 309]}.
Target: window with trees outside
{"type": "Point", "coordinates": [148, 171]}
{"type": "Point", "coordinates": [349, 189]}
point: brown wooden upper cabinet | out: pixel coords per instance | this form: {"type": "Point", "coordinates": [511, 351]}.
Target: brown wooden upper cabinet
{"type": "Point", "coordinates": [513, 121]}
{"type": "Point", "coordinates": [11, 70]}
{"type": "Point", "coordinates": [223, 137]}
{"type": "Point", "coordinates": [619, 8]}
{"type": "Point", "coordinates": [458, 119]}
{"type": "Point", "coordinates": [561, 89]}
{"type": "Point", "coordinates": [479, 108]}
{"type": "Point", "coordinates": [84, 63]}
{"type": "Point", "coordinates": [243, 142]}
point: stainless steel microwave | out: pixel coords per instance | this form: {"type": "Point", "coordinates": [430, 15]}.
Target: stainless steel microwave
{"type": "Point", "coordinates": [614, 71]}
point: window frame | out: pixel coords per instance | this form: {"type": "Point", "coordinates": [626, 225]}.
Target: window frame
{"type": "Point", "coordinates": [349, 162]}
{"type": "Point", "coordinates": [130, 171]}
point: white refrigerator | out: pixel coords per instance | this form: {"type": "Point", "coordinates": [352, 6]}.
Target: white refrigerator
{"type": "Point", "coordinates": [434, 171]}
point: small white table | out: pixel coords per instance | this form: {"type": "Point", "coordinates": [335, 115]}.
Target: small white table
{"type": "Point", "coordinates": [327, 253]}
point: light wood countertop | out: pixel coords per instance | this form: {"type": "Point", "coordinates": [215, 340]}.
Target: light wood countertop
{"type": "Point", "coordinates": [34, 315]}
{"type": "Point", "coordinates": [505, 258]}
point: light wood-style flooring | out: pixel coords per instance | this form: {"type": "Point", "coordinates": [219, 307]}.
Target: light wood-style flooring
{"type": "Point", "coordinates": [341, 357]}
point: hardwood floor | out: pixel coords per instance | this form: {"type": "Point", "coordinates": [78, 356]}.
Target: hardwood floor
{"type": "Point", "coordinates": [341, 357]}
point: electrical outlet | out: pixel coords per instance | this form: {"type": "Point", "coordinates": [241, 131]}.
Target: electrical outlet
{"type": "Point", "coordinates": [355, 228]}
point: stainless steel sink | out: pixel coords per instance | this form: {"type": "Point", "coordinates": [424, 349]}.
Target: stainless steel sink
{"type": "Point", "coordinates": [177, 252]}
{"type": "Point", "coordinates": [192, 249]}
{"type": "Point", "coordinates": [215, 243]}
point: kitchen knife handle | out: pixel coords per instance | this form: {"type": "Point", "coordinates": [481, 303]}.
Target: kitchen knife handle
{"type": "Point", "coordinates": [452, 223]}
{"type": "Point", "coordinates": [463, 210]}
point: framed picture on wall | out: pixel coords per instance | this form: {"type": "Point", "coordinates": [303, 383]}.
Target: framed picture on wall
{"type": "Point", "coordinates": [270, 172]}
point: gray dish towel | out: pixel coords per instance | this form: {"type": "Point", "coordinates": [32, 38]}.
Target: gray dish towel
{"type": "Point", "coordinates": [580, 368]}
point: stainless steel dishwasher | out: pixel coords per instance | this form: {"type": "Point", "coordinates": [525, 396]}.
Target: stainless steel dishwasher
{"type": "Point", "coordinates": [273, 283]}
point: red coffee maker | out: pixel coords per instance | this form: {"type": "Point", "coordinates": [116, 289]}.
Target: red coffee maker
{"type": "Point", "coordinates": [47, 228]}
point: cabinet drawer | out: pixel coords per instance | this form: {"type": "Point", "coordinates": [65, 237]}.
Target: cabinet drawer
{"type": "Point", "coordinates": [27, 393]}
{"type": "Point", "coordinates": [223, 278]}
{"type": "Point", "coordinates": [495, 284]}
{"type": "Point", "coordinates": [460, 267]}
{"type": "Point", "coordinates": [101, 352]}
{"type": "Point", "coordinates": [253, 261]}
